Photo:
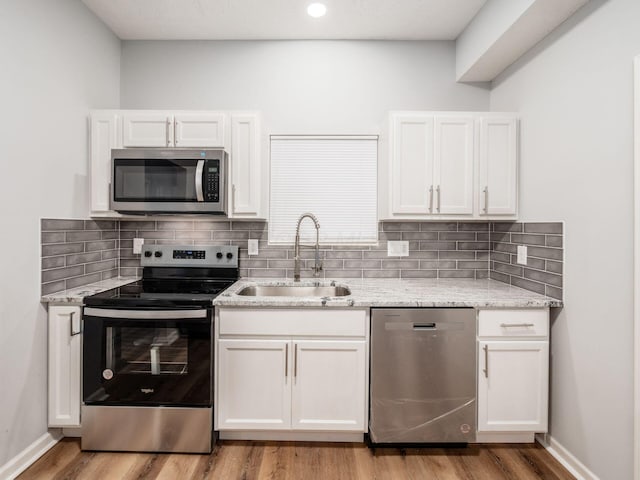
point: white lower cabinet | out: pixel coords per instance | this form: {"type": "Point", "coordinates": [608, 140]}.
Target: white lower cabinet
{"type": "Point", "coordinates": [513, 370]}
{"type": "Point", "coordinates": [328, 385]}
{"type": "Point", "coordinates": [299, 382]}
{"type": "Point", "coordinates": [254, 388]}
{"type": "Point", "coordinates": [65, 351]}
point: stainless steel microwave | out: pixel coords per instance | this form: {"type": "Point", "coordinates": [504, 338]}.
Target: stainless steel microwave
{"type": "Point", "coordinates": [167, 180]}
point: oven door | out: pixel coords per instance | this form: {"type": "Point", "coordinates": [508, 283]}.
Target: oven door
{"type": "Point", "coordinates": [147, 357]}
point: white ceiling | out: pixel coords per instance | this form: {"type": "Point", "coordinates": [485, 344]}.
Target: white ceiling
{"type": "Point", "coordinates": [285, 19]}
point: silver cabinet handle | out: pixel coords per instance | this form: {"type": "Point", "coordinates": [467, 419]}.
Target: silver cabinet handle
{"type": "Point", "coordinates": [175, 132]}
{"type": "Point", "coordinates": [199, 172]}
{"type": "Point", "coordinates": [431, 199]}
{"type": "Point", "coordinates": [233, 198]}
{"type": "Point", "coordinates": [71, 332]}
{"type": "Point", "coordinates": [486, 361]}
{"type": "Point", "coordinates": [486, 199]}
{"type": "Point", "coordinates": [507, 325]}
{"type": "Point", "coordinates": [438, 195]}
{"type": "Point", "coordinates": [295, 361]}
{"type": "Point", "coordinates": [286, 360]}
{"type": "Point", "coordinates": [167, 132]}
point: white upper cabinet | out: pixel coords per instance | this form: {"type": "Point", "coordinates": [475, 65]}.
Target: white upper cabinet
{"type": "Point", "coordinates": [498, 165]}
{"type": "Point", "coordinates": [173, 129]}
{"type": "Point", "coordinates": [147, 129]}
{"type": "Point", "coordinates": [245, 165]}
{"type": "Point", "coordinates": [105, 135]}
{"type": "Point", "coordinates": [412, 165]}
{"type": "Point", "coordinates": [182, 129]}
{"type": "Point", "coordinates": [199, 130]}
{"type": "Point", "coordinates": [453, 165]}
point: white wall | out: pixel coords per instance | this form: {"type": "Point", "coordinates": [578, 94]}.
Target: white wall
{"type": "Point", "coordinates": [574, 94]}
{"type": "Point", "coordinates": [58, 61]}
{"type": "Point", "coordinates": [300, 86]}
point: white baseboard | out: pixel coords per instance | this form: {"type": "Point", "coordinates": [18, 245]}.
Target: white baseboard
{"type": "Point", "coordinates": [29, 455]}
{"type": "Point", "coordinates": [505, 437]}
{"type": "Point", "coordinates": [288, 436]}
{"type": "Point", "coordinates": [565, 457]}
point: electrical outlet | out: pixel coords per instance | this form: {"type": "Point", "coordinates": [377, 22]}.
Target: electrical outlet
{"type": "Point", "coordinates": [253, 247]}
{"type": "Point", "coordinates": [522, 255]}
{"type": "Point", "coordinates": [137, 245]}
{"type": "Point", "coordinates": [398, 249]}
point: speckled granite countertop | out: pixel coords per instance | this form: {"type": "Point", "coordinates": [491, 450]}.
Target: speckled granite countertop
{"type": "Point", "coordinates": [75, 295]}
{"type": "Point", "coordinates": [394, 293]}
{"type": "Point", "coordinates": [364, 293]}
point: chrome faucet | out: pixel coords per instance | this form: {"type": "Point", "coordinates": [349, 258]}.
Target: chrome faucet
{"type": "Point", "coordinates": [317, 267]}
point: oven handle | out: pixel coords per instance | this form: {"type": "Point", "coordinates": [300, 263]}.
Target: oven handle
{"type": "Point", "coordinates": [199, 172]}
{"type": "Point", "coordinates": [145, 314]}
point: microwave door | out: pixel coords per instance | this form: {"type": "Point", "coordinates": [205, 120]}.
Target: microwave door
{"type": "Point", "coordinates": [199, 174]}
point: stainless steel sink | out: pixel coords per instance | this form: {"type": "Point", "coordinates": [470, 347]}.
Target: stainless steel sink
{"type": "Point", "coordinates": [294, 291]}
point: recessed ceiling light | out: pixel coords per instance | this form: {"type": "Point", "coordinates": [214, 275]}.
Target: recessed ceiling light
{"type": "Point", "coordinates": [317, 10]}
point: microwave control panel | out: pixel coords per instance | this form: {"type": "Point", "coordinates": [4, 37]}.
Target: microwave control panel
{"type": "Point", "coordinates": [212, 181]}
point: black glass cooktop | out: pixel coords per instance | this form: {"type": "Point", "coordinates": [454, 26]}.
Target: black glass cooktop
{"type": "Point", "coordinates": [161, 294]}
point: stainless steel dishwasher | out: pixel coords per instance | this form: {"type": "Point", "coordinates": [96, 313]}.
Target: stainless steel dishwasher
{"type": "Point", "coordinates": [423, 375]}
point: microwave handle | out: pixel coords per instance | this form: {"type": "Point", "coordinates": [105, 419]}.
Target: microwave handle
{"type": "Point", "coordinates": [199, 171]}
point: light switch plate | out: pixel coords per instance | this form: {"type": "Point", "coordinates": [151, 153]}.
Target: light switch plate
{"type": "Point", "coordinates": [253, 247]}
{"type": "Point", "coordinates": [398, 249]}
{"type": "Point", "coordinates": [137, 245]}
{"type": "Point", "coordinates": [522, 255]}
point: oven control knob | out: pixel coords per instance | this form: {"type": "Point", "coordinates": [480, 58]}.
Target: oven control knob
{"type": "Point", "coordinates": [147, 253]}
{"type": "Point", "coordinates": [158, 254]}
{"type": "Point", "coordinates": [229, 255]}
{"type": "Point", "coordinates": [219, 255]}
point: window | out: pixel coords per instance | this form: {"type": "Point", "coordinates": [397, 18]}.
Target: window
{"type": "Point", "coordinates": [335, 178]}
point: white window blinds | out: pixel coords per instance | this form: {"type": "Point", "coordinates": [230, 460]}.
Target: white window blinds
{"type": "Point", "coordinates": [335, 178]}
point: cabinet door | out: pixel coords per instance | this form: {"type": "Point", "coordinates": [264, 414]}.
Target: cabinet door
{"type": "Point", "coordinates": [453, 165]}
{"type": "Point", "coordinates": [411, 164]}
{"type": "Point", "coordinates": [104, 137]}
{"type": "Point", "coordinates": [147, 130]}
{"type": "Point", "coordinates": [199, 130]}
{"type": "Point", "coordinates": [329, 390]}
{"type": "Point", "coordinates": [254, 385]}
{"type": "Point", "coordinates": [64, 366]}
{"type": "Point", "coordinates": [498, 166]}
{"type": "Point", "coordinates": [513, 381]}
{"type": "Point", "coordinates": [245, 165]}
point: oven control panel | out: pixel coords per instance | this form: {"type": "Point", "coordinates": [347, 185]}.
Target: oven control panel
{"type": "Point", "coordinates": [189, 256]}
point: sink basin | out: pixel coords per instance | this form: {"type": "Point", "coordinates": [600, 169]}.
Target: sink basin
{"type": "Point", "coordinates": [294, 291]}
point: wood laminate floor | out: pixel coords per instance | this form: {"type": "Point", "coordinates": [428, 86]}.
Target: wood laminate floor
{"type": "Point", "coordinates": [300, 460]}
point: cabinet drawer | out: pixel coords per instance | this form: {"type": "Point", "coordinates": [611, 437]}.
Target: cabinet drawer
{"type": "Point", "coordinates": [514, 323]}
{"type": "Point", "coordinates": [301, 322]}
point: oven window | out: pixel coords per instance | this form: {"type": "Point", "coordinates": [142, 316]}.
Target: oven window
{"type": "Point", "coordinates": [144, 351]}
{"type": "Point", "coordinates": [137, 362]}
{"type": "Point", "coordinates": [155, 180]}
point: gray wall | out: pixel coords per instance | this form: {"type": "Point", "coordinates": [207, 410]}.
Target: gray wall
{"type": "Point", "coordinates": [575, 98]}
{"type": "Point", "coordinates": [299, 86]}
{"type": "Point", "coordinates": [58, 61]}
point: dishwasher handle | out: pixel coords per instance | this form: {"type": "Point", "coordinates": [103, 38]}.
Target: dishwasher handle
{"type": "Point", "coordinates": [425, 326]}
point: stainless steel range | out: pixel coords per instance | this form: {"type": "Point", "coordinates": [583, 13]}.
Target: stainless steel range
{"type": "Point", "coordinates": [148, 353]}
